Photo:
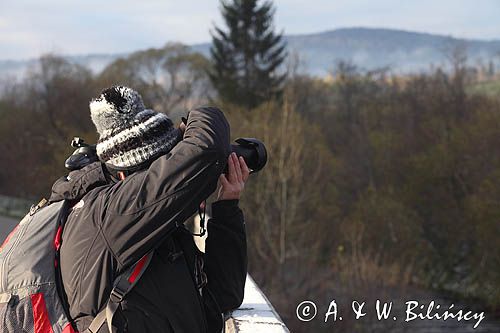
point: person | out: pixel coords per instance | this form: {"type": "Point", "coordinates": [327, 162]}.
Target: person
{"type": "Point", "coordinates": [151, 178]}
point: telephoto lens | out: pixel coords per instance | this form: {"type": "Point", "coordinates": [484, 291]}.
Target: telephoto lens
{"type": "Point", "coordinates": [253, 151]}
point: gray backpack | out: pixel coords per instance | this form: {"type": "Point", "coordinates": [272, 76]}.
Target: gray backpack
{"type": "Point", "coordinates": [31, 295]}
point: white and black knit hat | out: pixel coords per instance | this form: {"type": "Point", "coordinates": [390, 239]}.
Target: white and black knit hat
{"type": "Point", "coordinates": [130, 134]}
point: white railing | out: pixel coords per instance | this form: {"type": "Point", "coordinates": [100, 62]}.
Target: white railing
{"type": "Point", "coordinates": [256, 314]}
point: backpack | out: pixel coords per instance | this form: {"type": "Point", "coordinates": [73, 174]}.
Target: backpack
{"type": "Point", "coordinates": [32, 298]}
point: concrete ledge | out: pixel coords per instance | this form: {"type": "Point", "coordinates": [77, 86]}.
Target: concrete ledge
{"type": "Point", "coordinates": [256, 314]}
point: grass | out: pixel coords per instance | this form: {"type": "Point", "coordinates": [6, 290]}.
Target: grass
{"type": "Point", "coordinates": [489, 88]}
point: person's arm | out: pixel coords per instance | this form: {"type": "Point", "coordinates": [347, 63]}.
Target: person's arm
{"type": "Point", "coordinates": [139, 211]}
{"type": "Point", "coordinates": [226, 247]}
{"type": "Point", "coordinates": [226, 254]}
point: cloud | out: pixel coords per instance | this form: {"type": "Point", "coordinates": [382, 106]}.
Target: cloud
{"type": "Point", "coordinates": [100, 26]}
{"type": "Point", "coordinates": [31, 27]}
{"type": "Point", "coordinates": [461, 18]}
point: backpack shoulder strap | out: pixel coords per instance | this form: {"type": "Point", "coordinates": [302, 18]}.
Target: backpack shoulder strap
{"type": "Point", "coordinates": [123, 284]}
{"type": "Point", "coordinates": [61, 221]}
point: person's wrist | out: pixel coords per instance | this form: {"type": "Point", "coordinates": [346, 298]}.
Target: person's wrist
{"type": "Point", "coordinates": [228, 197]}
{"type": "Point", "coordinates": [227, 200]}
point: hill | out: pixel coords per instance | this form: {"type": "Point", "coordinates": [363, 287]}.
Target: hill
{"type": "Point", "coordinates": [403, 51]}
{"type": "Point", "coordinates": [368, 48]}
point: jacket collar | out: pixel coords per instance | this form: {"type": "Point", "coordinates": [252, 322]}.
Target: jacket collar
{"type": "Point", "coordinates": [79, 182]}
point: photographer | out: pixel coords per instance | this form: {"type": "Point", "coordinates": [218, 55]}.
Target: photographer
{"type": "Point", "coordinates": [152, 177]}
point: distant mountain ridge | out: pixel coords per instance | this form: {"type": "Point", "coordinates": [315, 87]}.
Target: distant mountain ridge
{"type": "Point", "coordinates": [403, 51]}
{"type": "Point", "coordinates": [368, 48]}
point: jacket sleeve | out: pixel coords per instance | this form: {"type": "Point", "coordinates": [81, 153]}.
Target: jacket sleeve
{"type": "Point", "coordinates": [138, 212]}
{"type": "Point", "coordinates": [226, 254]}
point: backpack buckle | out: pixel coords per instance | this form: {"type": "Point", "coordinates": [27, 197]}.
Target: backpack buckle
{"type": "Point", "coordinates": [117, 295]}
{"type": "Point", "coordinates": [120, 289]}
{"type": "Point", "coordinates": [34, 208]}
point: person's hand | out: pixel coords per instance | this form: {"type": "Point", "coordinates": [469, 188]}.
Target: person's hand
{"type": "Point", "coordinates": [232, 184]}
{"type": "Point", "coordinates": [182, 127]}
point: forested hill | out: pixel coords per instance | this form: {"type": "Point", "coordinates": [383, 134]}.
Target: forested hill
{"type": "Point", "coordinates": [403, 51]}
{"type": "Point", "coordinates": [368, 48]}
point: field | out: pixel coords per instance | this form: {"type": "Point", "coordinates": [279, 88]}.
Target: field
{"type": "Point", "coordinates": [489, 88]}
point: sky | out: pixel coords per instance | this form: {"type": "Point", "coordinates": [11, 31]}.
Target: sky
{"type": "Point", "coordinates": [29, 28]}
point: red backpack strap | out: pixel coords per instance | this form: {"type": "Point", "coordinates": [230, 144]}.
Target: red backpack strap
{"type": "Point", "coordinates": [122, 286]}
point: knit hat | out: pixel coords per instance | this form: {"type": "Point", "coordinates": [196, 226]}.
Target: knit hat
{"type": "Point", "coordinates": [130, 134]}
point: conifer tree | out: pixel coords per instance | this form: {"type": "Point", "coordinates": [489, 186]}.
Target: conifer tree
{"type": "Point", "coordinates": [247, 57]}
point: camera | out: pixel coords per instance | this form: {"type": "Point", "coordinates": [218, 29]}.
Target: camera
{"type": "Point", "coordinates": [253, 151]}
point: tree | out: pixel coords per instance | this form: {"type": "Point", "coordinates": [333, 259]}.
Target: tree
{"type": "Point", "coordinates": [247, 58]}
{"type": "Point", "coordinates": [171, 79]}
{"type": "Point", "coordinates": [38, 117]}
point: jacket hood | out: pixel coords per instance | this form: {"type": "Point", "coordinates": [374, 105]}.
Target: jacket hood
{"type": "Point", "coordinates": [79, 182]}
